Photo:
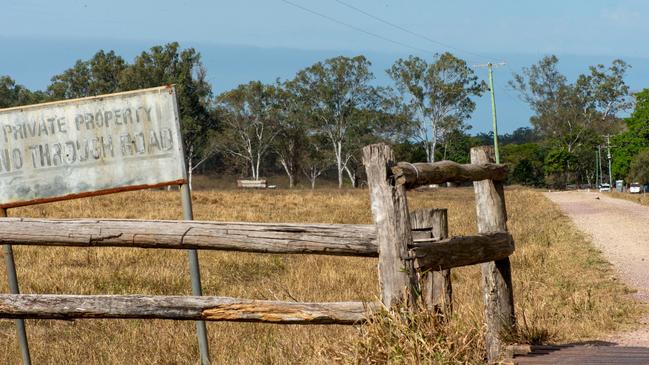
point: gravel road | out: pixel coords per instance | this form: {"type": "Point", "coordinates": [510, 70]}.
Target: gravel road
{"type": "Point", "coordinates": [620, 229]}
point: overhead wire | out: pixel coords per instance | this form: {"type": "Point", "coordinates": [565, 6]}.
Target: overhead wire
{"type": "Point", "coordinates": [507, 90]}
{"type": "Point", "coordinates": [358, 29]}
{"type": "Point", "coordinates": [403, 29]}
{"type": "Point", "coordinates": [416, 34]}
{"type": "Point", "coordinates": [513, 97]}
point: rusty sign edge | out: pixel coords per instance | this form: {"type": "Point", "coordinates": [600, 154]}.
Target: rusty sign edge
{"type": "Point", "coordinates": [89, 194]}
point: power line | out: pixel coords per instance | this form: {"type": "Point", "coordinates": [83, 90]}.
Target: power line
{"type": "Point", "coordinates": [510, 69]}
{"type": "Point", "coordinates": [356, 28]}
{"type": "Point", "coordinates": [416, 34]}
{"type": "Point", "coordinates": [509, 94]}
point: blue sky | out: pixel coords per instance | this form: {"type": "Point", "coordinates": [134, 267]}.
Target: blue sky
{"type": "Point", "coordinates": [245, 40]}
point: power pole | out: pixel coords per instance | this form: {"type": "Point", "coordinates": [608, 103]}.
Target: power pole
{"type": "Point", "coordinates": [493, 105]}
{"type": "Point", "coordinates": [597, 167]}
{"type": "Point", "coordinates": [599, 163]}
{"type": "Point", "coordinates": [608, 154]}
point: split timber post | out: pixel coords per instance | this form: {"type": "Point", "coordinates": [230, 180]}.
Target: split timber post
{"type": "Point", "coordinates": [496, 275]}
{"type": "Point", "coordinates": [403, 257]}
{"type": "Point", "coordinates": [436, 287]}
{"type": "Point", "coordinates": [397, 276]}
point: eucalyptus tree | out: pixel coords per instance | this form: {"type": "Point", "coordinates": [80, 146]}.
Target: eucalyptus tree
{"type": "Point", "coordinates": [169, 64]}
{"type": "Point", "coordinates": [96, 76]}
{"type": "Point", "coordinates": [439, 93]}
{"type": "Point", "coordinates": [639, 169]}
{"type": "Point", "coordinates": [565, 112]}
{"type": "Point", "coordinates": [384, 119]}
{"type": "Point", "coordinates": [291, 143]}
{"type": "Point", "coordinates": [335, 93]}
{"type": "Point", "coordinates": [13, 94]}
{"type": "Point", "coordinates": [315, 160]}
{"type": "Point", "coordinates": [635, 138]}
{"type": "Point", "coordinates": [573, 116]}
{"type": "Point", "coordinates": [249, 123]}
{"type": "Point", "coordinates": [107, 72]}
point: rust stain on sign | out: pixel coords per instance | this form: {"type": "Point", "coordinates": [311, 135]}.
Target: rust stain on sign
{"type": "Point", "coordinates": [90, 146]}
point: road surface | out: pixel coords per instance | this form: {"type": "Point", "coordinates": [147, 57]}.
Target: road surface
{"type": "Point", "coordinates": [620, 229]}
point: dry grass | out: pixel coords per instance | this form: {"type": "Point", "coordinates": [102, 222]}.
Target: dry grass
{"type": "Point", "coordinates": [564, 291]}
{"type": "Point", "coordinates": [636, 198]}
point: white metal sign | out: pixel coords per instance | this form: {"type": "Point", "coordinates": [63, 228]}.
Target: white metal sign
{"type": "Point", "coordinates": [90, 146]}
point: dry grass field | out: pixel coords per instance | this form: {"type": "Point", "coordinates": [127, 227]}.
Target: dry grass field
{"type": "Point", "coordinates": [636, 198]}
{"type": "Point", "coordinates": [564, 291]}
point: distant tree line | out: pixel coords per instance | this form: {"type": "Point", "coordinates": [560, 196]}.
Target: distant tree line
{"type": "Point", "coordinates": [316, 123]}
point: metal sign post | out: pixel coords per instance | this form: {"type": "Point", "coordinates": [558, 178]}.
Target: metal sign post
{"type": "Point", "coordinates": [195, 272]}
{"type": "Point", "coordinates": [14, 289]}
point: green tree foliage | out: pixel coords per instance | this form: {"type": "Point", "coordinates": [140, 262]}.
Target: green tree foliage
{"type": "Point", "coordinates": [385, 120]}
{"type": "Point", "coordinates": [571, 117]}
{"type": "Point", "coordinates": [12, 94]}
{"type": "Point", "coordinates": [166, 65]}
{"type": "Point", "coordinates": [324, 115]}
{"type": "Point", "coordinates": [439, 94]}
{"type": "Point", "coordinates": [99, 75]}
{"type": "Point", "coordinates": [337, 94]}
{"type": "Point", "coordinates": [107, 72]}
{"type": "Point", "coordinates": [583, 168]}
{"type": "Point", "coordinates": [292, 142]}
{"type": "Point", "coordinates": [316, 158]}
{"type": "Point", "coordinates": [526, 163]}
{"type": "Point", "coordinates": [410, 151]}
{"type": "Point", "coordinates": [525, 174]}
{"type": "Point", "coordinates": [634, 139]}
{"type": "Point", "coordinates": [250, 123]}
{"type": "Point", "coordinates": [457, 146]}
{"type": "Point", "coordinates": [639, 170]}
{"type": "Point", "coordinates": [555, 167]}
{"type": "Point", "coordinates": [564, 112]}
{"type": "Point", "coordinates": [518, 136]}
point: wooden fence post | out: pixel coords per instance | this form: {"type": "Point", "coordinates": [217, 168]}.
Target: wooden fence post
{"type": "Point", "coordinates": [496, 275]}
{"type": "Point", "coordinates": [436, 288]}
{"type": "Point", "coordinates": [397, 276]}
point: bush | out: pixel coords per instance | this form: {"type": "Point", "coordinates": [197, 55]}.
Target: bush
{"type": "Point", "coordinates": [639, 170]}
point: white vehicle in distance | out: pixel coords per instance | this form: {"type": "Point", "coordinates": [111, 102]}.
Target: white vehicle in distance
{"type": "Point", "coordinates": [604, 187]}
{"type": "Point", "coordinates": [635, 188]}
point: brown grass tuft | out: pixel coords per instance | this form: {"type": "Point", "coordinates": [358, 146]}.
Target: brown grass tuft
{"type": "Point", "coordinates": [414, 338]}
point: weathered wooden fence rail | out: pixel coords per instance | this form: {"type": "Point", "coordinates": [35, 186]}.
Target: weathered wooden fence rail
{"type": "Point", "coordinates": [48, 306]}
{"type": "Point", "coordinates": [413, 175]}
{"type": "Point", "coordinates": [414, 254]}
{"type": "Point", "coordinates": [325, 239]}
{"type": "Point", "coordinates": [437, 255]}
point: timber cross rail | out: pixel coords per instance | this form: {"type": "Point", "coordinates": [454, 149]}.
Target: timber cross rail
{"type": "Point", "coordinates": [413, 250]}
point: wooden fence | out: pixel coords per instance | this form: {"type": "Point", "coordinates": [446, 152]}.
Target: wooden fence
{"type": "Point", "coordinates": [413, 250]}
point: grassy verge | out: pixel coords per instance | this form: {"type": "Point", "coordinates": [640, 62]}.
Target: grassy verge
{"type": "Point", "coordinates": [636, 198]}
{"type": "Point", "coordinates": [564, 291]}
